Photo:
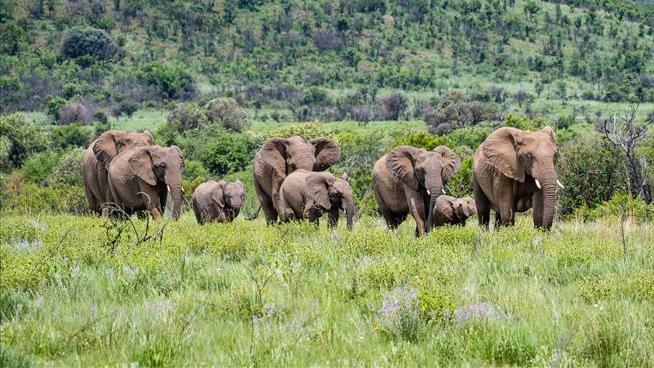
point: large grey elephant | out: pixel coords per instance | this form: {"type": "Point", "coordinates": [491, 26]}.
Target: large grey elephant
{"type": "Point", "coordinates": [97, 158]}
{"type": "Point", "coordinates": [308, 195]}
{"type": "Point", "coordinates": [409, 179]}
{"type": "Point", "coordinates": [140, 179]}
{"type": "Point", "coordinates": [453, 211]}
{"type": "Point", "coordinates": [279, 157]}
{"type": "Point", "coordinates": [513, 171]}
{"type": "Point", "coordinates": [218, 201]}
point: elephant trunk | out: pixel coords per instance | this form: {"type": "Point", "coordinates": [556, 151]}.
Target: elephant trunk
{"type": "Point", "coordinates": [435, 189]}
{"type": "Point", "coordinates": [176, 193]}
{"type": "Point", "coordinates": [548, 183]}
{"type": "Point", "coordinates": [348, 207]}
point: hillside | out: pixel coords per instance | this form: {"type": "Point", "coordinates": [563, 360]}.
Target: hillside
{"type": "Point", "coordinates": [322, 59]}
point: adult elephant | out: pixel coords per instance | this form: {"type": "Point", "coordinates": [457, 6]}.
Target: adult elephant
{"type": "Point", "coordinates": [97, 158]}
{"type": "Point", "coordinates": [218, 201]}
{"type": "Point", "coordinates": [281, 156]}
{"type": "Point", "coordinates": [140, 178]}
{"type": "Point", "coordinates": [308, 195]}
{"type": "Point", "coordinates": [409, 179]}
{"type": "Point", "coordinates": [513, 171]}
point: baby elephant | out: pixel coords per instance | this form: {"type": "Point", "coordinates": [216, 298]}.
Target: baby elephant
{"type": "Point", "coordinates": [453, 211]}
{"type": "Point", "coordinates": [308, 195]}
{"type": "Point", "coordinates": [218, 201]}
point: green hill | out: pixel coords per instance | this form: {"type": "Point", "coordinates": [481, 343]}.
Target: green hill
{"type": "Point", "coordinates": [323, 59]}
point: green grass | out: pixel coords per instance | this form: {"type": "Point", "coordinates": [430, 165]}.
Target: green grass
{"type": "Point", "coordinates": [73, 291]}
{"type": "Point", "coordinates": [141, 119]}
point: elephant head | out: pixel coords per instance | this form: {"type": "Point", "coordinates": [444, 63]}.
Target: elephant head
{"type": "Point", "coordinates": [455, 210]}
{"type": "Point", "coordinates": [229, 196]}
{"type": "Point", "coordinates": [325, 192]}
{"type": "Point", "coordinates": [522, 156]}
{"type": "Point", "coordinates": [424, 171]}
{"type": "Point", "coordinates": [111, 142]}
{"type": "Point", "coordinates": [158, 165]}
{"type": "Point", "coordinates": [286, 155]}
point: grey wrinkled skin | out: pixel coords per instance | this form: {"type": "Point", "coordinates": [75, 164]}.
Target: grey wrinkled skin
{"type": "Point", "coordinates": [218, 201]}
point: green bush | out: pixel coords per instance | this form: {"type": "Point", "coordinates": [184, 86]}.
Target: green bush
{"type": "Point", "coordinates": [194, 169]}
{"type": "Point", "coordinates": [461, 183]}
{"type": "Point", "coordinates": [172, 79]}
{"type": "Point", "coordinates": [227, 112]}
{"type": "Point", "coordinates": [68, 169]}
{"type": "Point", "coordinates": [524, 123]}
{"type": "Point", "coordinates": [186, 116]}
{"type": "Point", "coordinates": [21, 138]}
{"type": "Point", "coordinates": [39, 166]}
{"type": "Point", "coordinates": [304, 130]}
{"type": "Point", "coordinates": [88, 41]}
{"type": "Point", "coordinates": [219, 150]}
{"type": "Point", "coordinates": [72, 136]}
{"type": "Point", "coordinates": [591, 171]}
{"type": "Point", "coordinates": [619, 204]}
{"type": "Point", "coordinates": [34, 199]}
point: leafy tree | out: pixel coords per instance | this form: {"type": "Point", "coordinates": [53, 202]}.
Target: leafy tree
{"type": "Point", "coordinates": [88, 41]}
{"type": "Point", "coordinates": [227, 113]}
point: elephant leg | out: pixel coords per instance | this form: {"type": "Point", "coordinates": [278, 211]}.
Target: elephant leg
{"type": "Point", "coordinates": [417, 208]}
{"type": "Point", "coordinates": [333, 216]}
{"type": "Point", "coordinates": [483, 205]}
{"type": "Point", "coordinates": [537, 213]}
{"type": "Point", "coordinates": [94, 205]}
{"type": "Point", "coordinates": [266, 204]}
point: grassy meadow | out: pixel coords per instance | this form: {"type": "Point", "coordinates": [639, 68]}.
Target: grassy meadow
{"type": "Point", "coordinates": [82, 290]}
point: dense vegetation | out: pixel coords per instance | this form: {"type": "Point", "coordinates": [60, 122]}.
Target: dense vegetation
{"type": "Point", "coordinates": [326, 60]}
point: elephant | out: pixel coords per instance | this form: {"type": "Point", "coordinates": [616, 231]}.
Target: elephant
{"type": "Point", "coordinates": [279, 157]}
{"type": "Point", "coordinates": [308, 195]}
{"type": "Point", "coordinates": [409, 179]}
{"type": "Point", "coordinates": [96, 162]}
{"type": "Point", "coordinates": [513, 171]}
{"type": "Point", "coordinates": [453, 211]}
{"type": "Point", "coordinates": [218, 201]}
{"type": "Point", "coordinates": [141, 177]}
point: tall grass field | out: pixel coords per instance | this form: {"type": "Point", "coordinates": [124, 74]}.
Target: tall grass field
{"type": "Point", "coordinates": [86, 291]}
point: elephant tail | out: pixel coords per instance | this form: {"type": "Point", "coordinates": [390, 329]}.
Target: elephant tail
{"type": "Point", "coordinates": [254, 215]}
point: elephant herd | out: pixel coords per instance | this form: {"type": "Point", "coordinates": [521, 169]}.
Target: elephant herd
{"type": "Point", "coordinates": [513, 171]}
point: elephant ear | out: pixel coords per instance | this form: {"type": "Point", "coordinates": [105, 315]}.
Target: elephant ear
{"type": "Point", "coordinates": [218, 194]}
{"type": "Point", "coordinates": [141, 165]}
{"type": "Point", "coordinates": [446, 208]}
{"type": "Point", "coordinates": [106, 146]}
{"type": "Point", "coordinates": [549, 131]}
{"type": "Point", "coordinates": [316, 188]}
{"type": "Point", "coordinates": [149, 136]}
{"type": "Point", "coordinates": [400, 162]}
{"type": "Point", "coordinates": [327, 153]}
{"type": "Point", "coordinates": [273, 154]}
{"type": "Point", "coordinates": [449, 161]}
{"type": "Point", "coordinates": [500, 150]}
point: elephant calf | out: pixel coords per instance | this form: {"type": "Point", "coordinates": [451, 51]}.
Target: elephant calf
{"type": "Point", "coordinates": [308, 195]}
{"type": "Point", "coordinates": [218, 201]}
{"type": "Point", "coordinates": [453, 211]}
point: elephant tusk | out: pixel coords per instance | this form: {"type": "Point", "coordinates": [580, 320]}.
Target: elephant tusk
{"type": "Point", "coordinates": [428, 192]}
{"type": "Point", "coordinates": [559, 183]}
{"type": "Point", "coordinates": [537, 183]}
{"type": "Point", "coordinates": [168, 187]}
{"type": "Point", "coordinates": [443, 190]}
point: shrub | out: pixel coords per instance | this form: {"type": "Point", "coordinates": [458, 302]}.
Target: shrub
{"type": "Point", "coordinates": [31, 198]}
{"type": "Point", "coordinates": [456, 115]}
{"type": "Point", "coordinates": [524, 123]}
{"type": "Point", "coordinates": [393, 106]}
{"type": "Point", "coordinates": [24, 138]}
{"type": "Point", "coordinates": [68, 170]}
{"type": "Point", "coordinates": [227, 112]}
{"type": "Point", "coordinates": [219, 150]}
{"type": "Point", "coordinates": [194, 169]}
{"type": "Point", "coordinates": [88, 41]}
{"type": "Point", "coordinates": [619, 204]}
{"type": "Point", "coordinates": [172, 79]}
{"type": "Point", "coordinates": [304, 130]}
{"type": "Point", "coordinates": [37, 168]}
{"type": "Point", "coordinates": [186, 116]}
{"type": "Point", "coordinates": [73, 135]}
{"type": "Point", "coordinates": [399, 315]}
{"type": "Point", "coordinates": [54, 104]}
{"type": "Point", "coordinates": [461, 183]}
{"type": "Point", "coordinates": [74, 112]}
{"type": "Point", "coordinates": [421, 140]}
{"type": "Point", "coordinates": [101, 117]}
{"type": "Point", "coordinates": [591, 171]}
